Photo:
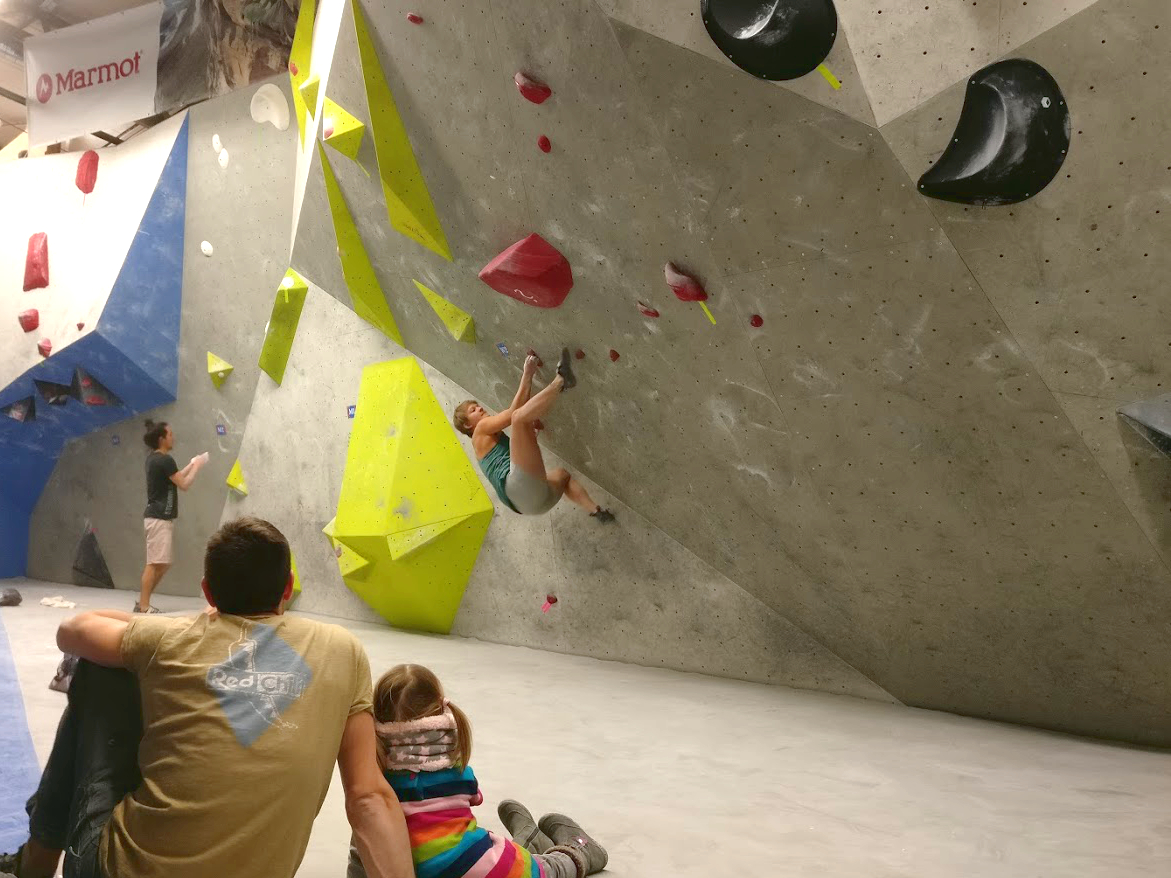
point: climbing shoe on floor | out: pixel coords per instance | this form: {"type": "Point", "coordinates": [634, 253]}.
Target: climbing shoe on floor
{"type": "Point", "coordinates": [149, 610]}
{"type": "Point", "coordinates": [565, 832]}
{"type": "Point", "coordinates": [603, 515]}
{"type": "Point", "coordinates": [522, 827]}
{"type": "Point", "coordinates": [565, 370]}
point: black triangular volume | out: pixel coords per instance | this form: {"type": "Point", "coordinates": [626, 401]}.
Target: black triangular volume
{"type": "Point", "coordinates": [1151, 419]}
{"type": "Point", "coordinates": [24, 410]}
{"type": "Point", "coordinates": [52, 392]}
{"type": "Point", "coordinates": [88, 390]}
{"type": "Point", "coordinates": [89, 565]}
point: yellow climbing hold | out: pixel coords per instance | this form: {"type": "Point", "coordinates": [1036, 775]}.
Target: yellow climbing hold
{"type": "Point", "coordinates": [412, 514]}
{"type": "Point", "coordinates": [219, 369]}
{"type": "Point", "coordinates": [296, 578]}
{"type": "Point", "coordinates": [365, 291]}
{"type": "Point", "coordinates": [309, 89]}
{"type": "Point", "coordinates": [458, 322]}
{"type": "Point", "coordinates": [408, 203]}
{"type": "Point", "coordinates": [300, 56]}
{"type": "Point", "coordinates": [236, 481]}
{"type": "Point", "coordinates": [282, 325]}
{"type": "Point", "coordinates": [341, 130]}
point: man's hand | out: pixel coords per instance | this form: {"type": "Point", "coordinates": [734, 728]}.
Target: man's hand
{"type": "Point", "coordinates": [530, 367]}
{"type": "Point", "coordinates": [95, 637]}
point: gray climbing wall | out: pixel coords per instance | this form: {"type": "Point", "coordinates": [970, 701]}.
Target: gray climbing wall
{"type": "Point", "coordinates": [244, 211]}
{"type": "Point", "coordinates": [627, 593]}
{"type": "Point", "coordinates": [915, 459]}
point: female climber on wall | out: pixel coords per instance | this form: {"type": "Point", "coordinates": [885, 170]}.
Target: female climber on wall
{"type": "Point", "coordinates": [515, 466]}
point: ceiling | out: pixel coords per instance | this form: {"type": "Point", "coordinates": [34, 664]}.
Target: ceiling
{"type": "Point", "coordinates": [23, 18]}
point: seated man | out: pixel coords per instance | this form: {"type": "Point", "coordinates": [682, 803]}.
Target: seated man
{"type": "Point", "coordinates": [196, 748]}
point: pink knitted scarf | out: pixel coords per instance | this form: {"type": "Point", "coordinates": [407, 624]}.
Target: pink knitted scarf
{"type": "Point", "coordinates": [427, 744]}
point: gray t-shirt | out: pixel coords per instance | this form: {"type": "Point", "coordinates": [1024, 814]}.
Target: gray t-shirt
{"type": "Point", "coordinates": [162, 497]}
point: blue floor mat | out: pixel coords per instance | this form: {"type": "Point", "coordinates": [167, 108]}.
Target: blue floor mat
{"type": "Point", "coordinates": [19, 772]}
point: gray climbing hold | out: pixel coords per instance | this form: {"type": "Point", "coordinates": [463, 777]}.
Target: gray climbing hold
{"type": "Point", "coordinates": [1151, 419]}
{"type": "Point", "coordinates": [10, 597]}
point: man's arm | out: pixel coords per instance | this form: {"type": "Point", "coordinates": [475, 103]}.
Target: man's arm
{"type": "Point", "coordinates": [186, 476]}
{"type": "Point", "coordinates": [96, 637]}
{"type": "Point", "coordinates": [380, 832]}
{"type": "Point", "coordinates": [494, 424]}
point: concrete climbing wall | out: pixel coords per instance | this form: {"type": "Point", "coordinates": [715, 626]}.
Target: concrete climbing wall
{"type": "Point", "coordinates": [243, 210]}
{"type": "Point", "coordinates": [628, 592]}
{"type": "Point", "coordinates": [914, 458]}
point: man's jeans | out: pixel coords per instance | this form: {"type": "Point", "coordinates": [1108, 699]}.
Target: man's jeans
{"type": "Point", "coordinates": [93, 766]}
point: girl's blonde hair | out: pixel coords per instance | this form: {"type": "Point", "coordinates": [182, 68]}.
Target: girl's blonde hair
{"type": "Point", "coordinates": [409, 692]}
{"type": "Point", "coordinates": [460, 418]}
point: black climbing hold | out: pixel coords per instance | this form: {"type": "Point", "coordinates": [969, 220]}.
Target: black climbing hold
{"type": "Point", "coordinates": [52, 392]}
{"type": "Point", "coordinates": [1011, 139]}
{"type": "Point", "coordinates": [10, 597]}
{"type": "Point", "coordinates": [89, 565]}
{"type": "Point", "coordinates": [772, 39]}
{"type": "Point", "coordinates": [1151, 419]}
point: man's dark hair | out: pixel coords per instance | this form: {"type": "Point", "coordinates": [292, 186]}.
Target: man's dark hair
{"type": "Point", "coordinates": [247, 567]}
{"type": "Point", "coordinates": [154, 434]}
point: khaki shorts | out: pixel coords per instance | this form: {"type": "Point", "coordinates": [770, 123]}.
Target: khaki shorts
{"type": "Point", "coordinates": [159, 537]}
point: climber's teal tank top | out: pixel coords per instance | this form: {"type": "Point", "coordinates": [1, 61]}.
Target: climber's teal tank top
{"type": "Point", "coordinates": [496, 465]}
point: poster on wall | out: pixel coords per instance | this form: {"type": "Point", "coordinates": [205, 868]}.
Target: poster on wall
{"type": "Point", "coordinates": [211, 47]}
{"type": "Point", "coordinates": [92, 76]}
{"type": "Point", "coordinates": [104, 74]}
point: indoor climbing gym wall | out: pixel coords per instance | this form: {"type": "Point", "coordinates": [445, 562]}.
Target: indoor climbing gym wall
{"type": "Point", "coordinates": [852, 328]}
{"type": "Point", "coordinates": [229, 237]}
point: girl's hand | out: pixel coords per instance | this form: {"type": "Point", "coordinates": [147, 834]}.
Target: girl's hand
{"type": "Point", "coordinates": [530, 367]}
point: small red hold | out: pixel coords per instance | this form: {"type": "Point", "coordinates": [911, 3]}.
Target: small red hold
{"type": "Point", "coordinates": [540, 362]}
{"type": "Point", "coordinates": [414, 18]}
{"type": "Point", "coordinates": [580, 354]}
{"type": "Point", "coordinates": [95, 400]}
{"type": "Point", "coordinates": [646, 310]}
{"type": "Point", "coordinates": [36, 262]}
{"type": "Point", "coordinates": [327, 129]}
{"type": "Point", "coordinates": [80, 327]}
{"type": "Point", "coordinates": [532, 89]}
{"type": "Point", "coordinates": [685, 287]}
{"type": "Point", "coordinates": [293, 67]}
{"type": "Point", "coordinates": [45, 347]}
{"type": "Point", "coordinates": [614, 355]}
{"type": "Point", "coordinates": [87, 172]}
{"type": "Point", "coordinates": [757, 320]}
{"type": "Point", "coordinates": [538, 425]}
{"type": "Point", "coordinates": [544, 144]}
{"type": "Point", "coordinates": [550, 600]}
{"type": "Point", "coordinates": [532, 271]}
{"type": "Point", "coordinates": [30, 319]}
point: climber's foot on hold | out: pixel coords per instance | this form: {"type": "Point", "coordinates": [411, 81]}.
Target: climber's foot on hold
{"type": "Point", "coordinates": [565, 370]}
{"type": "Point", "coordinates": [605, 516]}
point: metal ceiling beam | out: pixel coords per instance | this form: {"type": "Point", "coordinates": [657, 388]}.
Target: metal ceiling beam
{"type": "Point", "coordinates": [12, 96]}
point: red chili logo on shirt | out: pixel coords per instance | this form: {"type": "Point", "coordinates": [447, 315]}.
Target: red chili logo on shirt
{"type": "Point", "coordinates": [44, 88]}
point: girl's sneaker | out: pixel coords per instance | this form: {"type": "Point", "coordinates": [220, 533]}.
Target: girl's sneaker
{"type": "Point", "coordinates": [520, 825]}
{"type": "Point", "coordinates": [565, 832]}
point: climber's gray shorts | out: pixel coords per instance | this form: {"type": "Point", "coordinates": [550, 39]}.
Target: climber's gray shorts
{"type": "Point", "coordinates": [529, 494]}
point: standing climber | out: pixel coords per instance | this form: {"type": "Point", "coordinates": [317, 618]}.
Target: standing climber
{"type": "Point", "coordinates": [515, 466]}
{"type": "Point", "coordinates": [164, 480]}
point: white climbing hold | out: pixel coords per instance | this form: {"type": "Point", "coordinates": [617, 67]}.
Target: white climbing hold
{"type": "Point", "coordinates": [216, 143]}
{"type": "Point", "coordinates": [269, 105]}
{"type": "Point", "coordinates": [223, 158]}
{"type": "Point", "coordinates": [207, 248]}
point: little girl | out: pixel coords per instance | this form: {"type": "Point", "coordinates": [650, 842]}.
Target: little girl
{"type": "Point", "coordinates": [425, 743]}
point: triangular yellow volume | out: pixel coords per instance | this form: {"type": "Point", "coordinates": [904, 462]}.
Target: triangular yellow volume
{"type": "Point", "coordinates": [341, 130]}
{"type": "Point", "coordinates": [300, 56]}
{"type": "Point", "coordinates": [309, 89]}
{"type": "Point", "coordinates": [296, 578]}
{"type": "Point", "coordinates": [408, 203]}
{"type": "Point", "coordinates": [282, 325]}
{"type": "Point", "coordinates": [458, 322]}
{"type": "Point", "coordinates": [369, 301]}
{"type": "Point", "coordinates": [219, 369]}
{"type": "Point", "coordinates": [349, 562]}
{"type": "Point", "coordinates": [236, 481]}
{"type": "Point", "coordinates": [403, 543]}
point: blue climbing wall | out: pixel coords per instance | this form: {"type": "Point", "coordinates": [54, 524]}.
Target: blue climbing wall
{"type": "Point", "coordinates": [133, 353]}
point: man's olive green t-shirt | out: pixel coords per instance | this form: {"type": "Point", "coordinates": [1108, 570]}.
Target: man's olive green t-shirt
{"type": "Point", "coordinates": [242, 721]}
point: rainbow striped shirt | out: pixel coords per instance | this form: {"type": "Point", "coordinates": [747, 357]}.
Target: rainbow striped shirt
{"type": "Point", "coordinates": [446, 841]}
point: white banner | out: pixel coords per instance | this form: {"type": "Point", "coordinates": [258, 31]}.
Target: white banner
{"type": "Point", "coordinates": [93, 76]}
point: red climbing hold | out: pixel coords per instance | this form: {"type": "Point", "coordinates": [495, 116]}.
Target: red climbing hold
{"type": "Point", "coordinates": [580, 354]}
{"type": "Point", "coordinates": [30, 319]}
{"type": "Point", "coordinates": [647, 310]}
{"type": "Point", "coordinates": [533, 90]}
{"type": "Point", "coordinates": [685, 287]}
{"type": "Point", "coordinates": [532, 271]}
{"type": "Point", "coordinates": [414, 18]}
{"type": "Point", "coordinates": [327, 130]}
{"type": "Point", "coordinates": [87, 172]}
{"type": "Point", "coordinates": [80, 327]}
{"type": "Point", "coordinates": [36, 262]}
{"type": "Point", "coordinates": [614, 355]}
{"type": "Point", "coordinates": [293, 68]}
{"type": "Point", "coordinates": [550, 600]}
{"type": "Point", "coordinates": [544, 144]}
{"type": "Point", "coordinates": [757, 320]}
{"type": "Point", "coordinates": [95, 400]}
{"type": "Point", "coordinates": [540, 362]}
{"type": "Point", "coordinates": [45, 347]}
{"type": "Point", "coordinates": [538, 425]}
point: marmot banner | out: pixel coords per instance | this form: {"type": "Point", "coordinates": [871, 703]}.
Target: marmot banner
{"type": "Point", "coordinates": [180, 52]}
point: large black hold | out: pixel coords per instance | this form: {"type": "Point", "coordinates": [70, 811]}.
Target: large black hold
{"type": "Point", "coordinates": [89, 565]}
{"type": "Point", "coordinates": [772, 39]}
{"type": "Point", "coordinates": [1011, 140]}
